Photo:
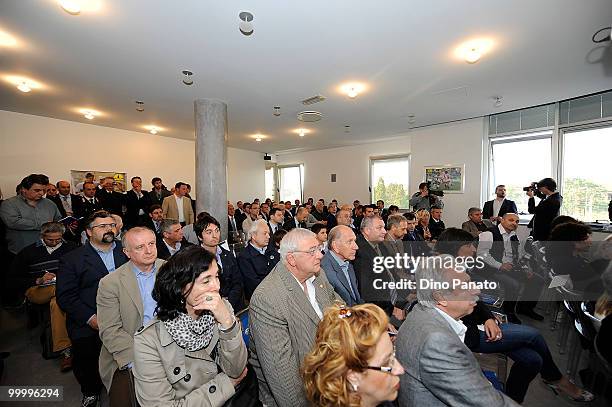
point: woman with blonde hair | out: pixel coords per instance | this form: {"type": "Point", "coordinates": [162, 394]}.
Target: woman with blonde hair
{"type": "Point", "coordinates": [352, 362]}
{"type": "Point", "coordinates": [422, 227]}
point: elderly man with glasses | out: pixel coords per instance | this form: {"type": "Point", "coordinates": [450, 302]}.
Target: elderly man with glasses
{"type": "Point", "coordinates": [284, 313]}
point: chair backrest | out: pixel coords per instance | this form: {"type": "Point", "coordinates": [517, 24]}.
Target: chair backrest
{"type": "Point", "coordinates": [594, 320]}
{"type": "Point", "coordinates": [243, 316]}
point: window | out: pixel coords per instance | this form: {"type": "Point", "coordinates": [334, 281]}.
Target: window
{"type": "Point", "coordinates": [270, 182]}
{"type": "Point", "coordinates": [587, 179]}
{"type": "Point", "coordinates": [291, 182]}
{"type": "Point", "coordinates": [516, 161]}
{"type": "Point", "coordinates": [389, 180]}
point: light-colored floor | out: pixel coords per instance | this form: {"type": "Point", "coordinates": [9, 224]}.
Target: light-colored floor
{"type": "Point", "coordinates": [26, 366]}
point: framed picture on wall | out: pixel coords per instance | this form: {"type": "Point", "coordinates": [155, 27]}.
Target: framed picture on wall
{"type": "Point", "coordinates": [447, 178]}
{"type": "Point", "coordinates": [78, 177]}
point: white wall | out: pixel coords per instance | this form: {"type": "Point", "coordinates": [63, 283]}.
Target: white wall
{"type": "Point", "coordinates": [36, 144]}
{"type": "Point", "coordinates": [454, 143]}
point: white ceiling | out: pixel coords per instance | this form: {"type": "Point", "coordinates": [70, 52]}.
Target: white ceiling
{"type": "Point", "coordinates": [402, 49]}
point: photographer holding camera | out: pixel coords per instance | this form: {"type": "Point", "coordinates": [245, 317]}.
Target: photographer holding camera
{"type": "Point", "coordinates": [546, 210]}
{"type": "Point", "coordinates": [425, 199]}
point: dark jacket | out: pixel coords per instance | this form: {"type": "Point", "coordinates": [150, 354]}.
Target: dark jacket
{"type": "Point", "coordinates": [291, 224]}
{"type": "Point", "coordinates": [162, 249]}
{"type": "Point", "coordinates": [79, 273]}
{"type": "Point", "coordinates": [134, 205]}
{"type": "Point", "coordinates": [76, 202]}
{"type": "Point", "coordinates": [435, 228]}
{"type": "Point", "coordinates": [255, 266]}
{"type": "Point", "coordinates": [478, 317]}
{"type": "Point", "coordinates": [111, 201]}
{"type": "Point", "coordinates": [507, 206]}
{"type": "Point", "coordinates": [543, 215]}
{"type": "Point", "coordinates": [415, 245]}
{"type": "Point", "coordinates": [155, 199]}
{"type": "Point", "coordinates": [231, 280]}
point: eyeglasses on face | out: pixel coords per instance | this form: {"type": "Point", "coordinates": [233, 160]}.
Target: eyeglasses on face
{"type": "Point", "coordinates": [105, 226]}
{"type": "Point", "coordinates": [386, 369]}
{"type": "Point", "coordinates": [312, 251]}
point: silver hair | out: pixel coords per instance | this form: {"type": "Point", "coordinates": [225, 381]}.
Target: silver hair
{"type": "Point", "coordinates": [395, 220]}
{"type": "Point", "coordinates": [368, 222]}
{"type": "Point", "coordinates": [166, 224]}
{"type": "Point", "coordinates": [254, 226]}
{"type": "Point", "coordinates": [431, 271]}
{"type": "Point", "coordinates": [473, 210]}
{"type": "Point", "coordinates": [52, 227]}
{"type": "Point", "coordinates": [335, 234]}
{"type": "Point", "coordinates": [292, 240]}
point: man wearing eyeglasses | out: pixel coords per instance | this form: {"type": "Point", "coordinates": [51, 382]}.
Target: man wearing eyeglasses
{"type": "Point", "coordinates": [284, 312]}
{"type": "Point", "coordinates": [77, 284]}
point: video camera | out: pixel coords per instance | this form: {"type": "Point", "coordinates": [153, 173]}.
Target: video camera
{"type": "Point", "coordinates": [432, 193]}
{"type": "Point", "coordinates": [534, 187]}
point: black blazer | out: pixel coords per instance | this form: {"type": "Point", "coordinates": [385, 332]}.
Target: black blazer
{"type": "Point", "coordinates": [134, 205]}
{"type": "Point", "coordinates": [162, 249]}
{"type": "Point", "coordinates": [436, 228]}
{"type": "Point", "coordinates": [79, 273]}
{"type": "Point", "coordinates": [543, 215]}
{"type": "Point", "coordinates": [292, 225]}
{"type": "Point", "coordinates": [415, 245]}
{"type": "Point", "coordinates": [111, 201]}
{"type": "Point", "coordinates": [75, 200]}
{"type": "Point", "coordinates": [231, 280]}
{"type": "Point", "coordinates": [478, 317]}
{"type": "Point", "coordinates": [507, 206]}
{"type": "Point", "coordinates": [155, 200]}
{"type": "Point", "coordinates": [255, 266]}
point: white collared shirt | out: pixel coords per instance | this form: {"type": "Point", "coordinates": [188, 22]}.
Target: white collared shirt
{"type": "Point", "coordinates": [179, 205]}
{"type": "Point", "coordinates": [455, 324]}
{"type": "Point", "coordinates": [171, 249]}
{"type": "Point", "coordinates": [497, 204]}
{"type": "Point", "coordinates": [312, 298]}
{"type": "Point", "coordinates": [51, 249]}
{"type": "Point", "coordinates": [485, 243]}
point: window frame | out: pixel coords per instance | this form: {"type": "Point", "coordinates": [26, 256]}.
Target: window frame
{"type": "Point", "coordinates": [279, 179]}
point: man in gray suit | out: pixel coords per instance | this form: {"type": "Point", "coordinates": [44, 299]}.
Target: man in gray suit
{"type": "Point", "coordinates": [284, 313]}
{"type": "Point", "coordinates": [476, 225]}
{"type": "Point", "coordinates": [440, 369]}
{"type": "Point", "coordinates": [342, 246]}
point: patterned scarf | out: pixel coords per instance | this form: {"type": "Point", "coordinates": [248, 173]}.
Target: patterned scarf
{"type": "Point", "coordinates": [191, 334]}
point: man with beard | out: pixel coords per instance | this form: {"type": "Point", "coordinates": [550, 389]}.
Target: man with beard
{"type": "Point", "coordinates": [79, 273]}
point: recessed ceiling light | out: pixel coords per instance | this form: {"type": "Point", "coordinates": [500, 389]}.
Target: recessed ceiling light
{"type": "Point", "coordinates": [301, 132]}
{"type": "Point", "coordinates": [7, 40]}
{"type": "Point", "coordinates": [139, 106]}
{"type": "Point", "coordinates": [471, 51]}
{"type": "Point", "coordinates": [498, 101]}
{"type": "Point", "coordinates": [188, 77]}
{"type": "Point", "coordinates": [71, 6]}
{"type": "Point", "coordinates": [258, 137]}
{"type": "Point", "coordinates": [276, 111]}
{"type": "Point", "coordinates": [89, 114]}
{"type": "Point", "coordinates": [23, 83]}
{"type": "Point", "coordinates": [411, 119]}
{"type": "Point", "coordinates": [153, 129]}
{"type": "Point", "coordinates": [352, 90]}
{"type": "Point", "coordinates": [246, 25]}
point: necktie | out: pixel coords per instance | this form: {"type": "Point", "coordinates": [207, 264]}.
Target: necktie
{"type": "Point", "coordinates": [393, 291]}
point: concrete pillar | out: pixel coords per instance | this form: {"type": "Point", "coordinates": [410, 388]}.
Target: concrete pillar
{"type": "Point", "coordinates": [211, 159]}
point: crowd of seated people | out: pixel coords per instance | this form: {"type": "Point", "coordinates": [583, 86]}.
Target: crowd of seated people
{"type": "Point", "coordinates": [144, 295]}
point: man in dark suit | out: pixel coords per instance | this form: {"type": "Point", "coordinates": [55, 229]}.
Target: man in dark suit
{"type": "Point", "coordinates": [436, 224]}
{"type": "Point", "coordinates": [276, 220]}
{"type": "Point", "coordinates": [137, 204]}
{"type": "Point", "coordinates": [289, 211]}
{"type": "Point", "coordinates": [154, 220]}
{"type": "Point", "coordinates": [368, 270]}
{"type": "Point", "coordinates": [414, 243]}
{"type": "Point", "coordinates": [171, 239]}
{"type": "Point", "coordinates": [110, 200]}
{"type": "Point", "coordinates": [69, 205]}
{"type": "Point", "coordinates": [258, 258]}
{"type": "Point", "coordinates": [342, 248]}
{"type": "Point", "coordinates": [90, 202]}
{"type": "Point", "coordinates": [207, 229]}
{"type": "Point", "coordinates": [547, 209]}
{"type": "Point", "coordinates": [494, 210]}
{"type": "Point", "coordinates": [158, 193]}
{"type": "Point", "coordinates": [298, 221]}
{"type": "Point", "coordinates": [79, 273]}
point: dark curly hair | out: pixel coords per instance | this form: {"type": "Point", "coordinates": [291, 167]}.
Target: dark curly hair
{"type": "Point", "coordinates": [180, 270]}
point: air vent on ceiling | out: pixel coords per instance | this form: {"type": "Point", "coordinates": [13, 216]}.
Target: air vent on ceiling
{"type": "Point", "coordinates": [309, 116]}
{"type": "Point", "coordinates": [313, 100]}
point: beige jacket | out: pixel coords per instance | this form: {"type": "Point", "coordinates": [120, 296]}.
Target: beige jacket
{"type": "Point", "coordinates": [170, 210]}
{"type": "Point", "coordinates": [471, 228]}
{"type": "Point", "coordinates": [167, 375]}
{"type": "Point", "coordinates": [120, 314]}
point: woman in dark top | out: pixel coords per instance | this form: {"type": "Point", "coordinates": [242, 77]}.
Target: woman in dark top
{"type": "Point", "coordinates": [523, 344]}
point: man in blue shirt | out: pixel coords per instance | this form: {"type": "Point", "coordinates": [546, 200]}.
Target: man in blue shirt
{"type": "Point", "coordinates": [79, 273]}
{"type": "Point", "coordinates": [125, 303]}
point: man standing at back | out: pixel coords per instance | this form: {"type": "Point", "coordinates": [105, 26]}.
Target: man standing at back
{"type": "Point", "coordinates": [137, 204]}
{"type": "Point", "coordinates": [178, 206]}
{"type": "Point", "coordinates": [158, 192]}
{"type": "Point", "coordinates": [79, 273]}
{"type": "Point", "coordinates": [284, 312]}
{"type": "Point", "coordinates": [494, 210]}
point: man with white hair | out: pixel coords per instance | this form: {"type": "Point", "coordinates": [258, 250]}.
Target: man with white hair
{"type": "Point", "coordinates": [440, 369]}
{"type": "Point", "coordinates": [258, 258]}
{"type": "Point", "coordinates": [284, 313]}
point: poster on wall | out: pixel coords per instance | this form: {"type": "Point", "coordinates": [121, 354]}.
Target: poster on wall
{"type": "Point", "coordinates": [78, 177]}
{"type": "Point", "coordinates": [447, 178]}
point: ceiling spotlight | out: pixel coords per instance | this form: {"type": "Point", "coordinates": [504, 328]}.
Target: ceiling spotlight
{"type": "Point", "coordinates": [139, 106]}
{"type": "Point", "coordinates": [258, 139]}
{"type": "Point", "coordinates": [7, 40]}
{"type": "Point", "coordinates": [24, 87]}
{"type": "Point", "coordinates": [276, 111]}
{"type": "Point", "coordinates": [411, 119]}
{"type": "Point", "coordinates": [472, 55]}
{"type": "Point", "coordinates": [471, 51]}
{"type": "Point", "coordinates": [153, 129]}
{"type": "Point", "coordinates": [352, 90]}
{"type": "Point", "coordinates": [347, 128]}
{"type": "Point", "coordinates": [246, 25]}
{"type": "Point", "coordinates": [302, 132]}
{"type": "Point", "coordinates": [71, 6]}
{"type": "Point", "coordinates": [187, 77]}
{"type": "Point", "coordinates": [498, 100]}
{"type": "Point", "coordinates": [88, 114]}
